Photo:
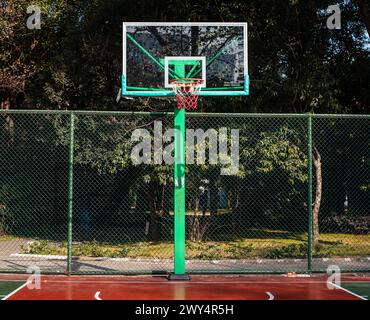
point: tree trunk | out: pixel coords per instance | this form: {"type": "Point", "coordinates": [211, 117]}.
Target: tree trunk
{"type": "Point", "coordinates": [5, 103]}
{"type": "Point", "coordinates": [9, 123]}
{"type": "Point", "coordinates": [199, 223]}
{"type": "Point", "coordinates": [157, 201]}
{"type": "Point", "coordinates": [318, 194]}
{"type": "Point", "coordinates": [198, 226]}
{"type": "Point", "coordinates": [154, 231]}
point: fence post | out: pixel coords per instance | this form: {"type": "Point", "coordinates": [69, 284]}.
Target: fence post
{"type": "Point", "coordinates": [70, 191]}
{"type": "Point", "coordinates": [309, 194]}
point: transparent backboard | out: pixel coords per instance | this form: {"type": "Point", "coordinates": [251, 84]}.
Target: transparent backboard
{"type": "Point", "coordinates": [156, 53]}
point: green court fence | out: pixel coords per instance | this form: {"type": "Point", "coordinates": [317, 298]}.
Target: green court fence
{"type": "Point", "coordinates": [74, 201]}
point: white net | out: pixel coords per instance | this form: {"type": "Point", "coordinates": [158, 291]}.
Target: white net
{"type": "Point", "coordinates": [187, 92]}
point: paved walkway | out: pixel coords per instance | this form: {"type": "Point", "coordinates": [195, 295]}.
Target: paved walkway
{"type": "Point", "coordinates": [12, 259]}
{"type": "Point", "coordinates": [10, 246]}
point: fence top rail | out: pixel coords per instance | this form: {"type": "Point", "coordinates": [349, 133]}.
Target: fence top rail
{"type": "Point", "coordinates": [190, 114]}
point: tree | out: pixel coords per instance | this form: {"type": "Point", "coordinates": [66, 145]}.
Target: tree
{"type": "Point", "coordinates": [318, 193]}
{"type": "Point", "coordinates": [364, 12]}
{"type": "Point", "coordinates": [15, 69]}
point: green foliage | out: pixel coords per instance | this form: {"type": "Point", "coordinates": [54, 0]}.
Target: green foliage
{"type": "Point", "coordinates": [329, 249]}
{"type": "Point", "coordinates": [41, 247]}
{"type": "Point", "coordinates": [332, 245]}
{"type": "Point", "coordinates": [298, 64]}
{"type": "Point", "coordinates": [90, 249]}
{"type": "Point", "coordinates": [348, 224]}
{"type": "Point", "coordinates": [282, 149]}
{"type": "Point", "coordinates": [95, 249]}
{"type": "Point", "coordinates": [122, 252]}
{"type": "Point", "coordinates": [289, 251]}
{"type": "Point", "coordinates": [209, 250]}
{"type": "Point", "coordinates": [87, 249]}
{"type": "Point", "coordinates": [239, 250]}
{"type": "Point", "coordinates": [300, 251]}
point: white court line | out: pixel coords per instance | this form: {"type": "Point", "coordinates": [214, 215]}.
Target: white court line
{"type": "Point", "coordinates": [12, 280]}
{"type": "Point", "coordinates": [184, 282]}
{"type": "Point", "coordinates": [271, 296]}
{"type": "Point", "coordinates": [350, 292]}
{"type": "Point", "coordinates": [15, 291]}
{"type": "Point", "coordinates": [97, 296]}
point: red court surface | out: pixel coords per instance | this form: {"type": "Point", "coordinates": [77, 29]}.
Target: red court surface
{"type": "Point", "coordinates": [279, 287]}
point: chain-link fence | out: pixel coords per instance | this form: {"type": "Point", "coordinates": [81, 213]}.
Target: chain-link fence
{"type": "Point", "coordinates": [271, 193]}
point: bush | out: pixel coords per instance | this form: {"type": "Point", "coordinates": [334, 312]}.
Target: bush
{"type": "Point", "coordinates": [41, 247]}
{"type": "Point", "coordinates": [347, 224]}
{"type": "Point", "coordinates": [94, 249]}
{"type": "Point", "coordinates": [300, 251]}
{"type": "Point", "coordinates": [326, 250]}
{"type": "Point", "coordinates": [122, 252]}
{"type": "Point", "coordinates": [239, 250]}
{"type": "Point", "coordinates": [89, 249]}
{"type": "Point", "coordinates": [289, 251]}
{"type": "Point", "coordinates": [203, 250]}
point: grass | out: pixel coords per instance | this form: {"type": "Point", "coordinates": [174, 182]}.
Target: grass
{"type": "Point", "coordinates": [7, 238]}
{"type": "Point", "coordinates": [279, 245]}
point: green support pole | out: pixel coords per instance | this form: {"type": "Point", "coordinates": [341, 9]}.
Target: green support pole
{"type": "Point", "coordinates": [70, 191]}
{"type": "Point", "coordinates": [179, 189]}
{"type": "Point", "coordinates": [179, 203]}
{"type": "Point", "coordinates": [309, 195]}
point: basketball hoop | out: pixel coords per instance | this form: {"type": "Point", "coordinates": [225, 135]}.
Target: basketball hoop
{"type": "Point", "coordinates": [187, 92]}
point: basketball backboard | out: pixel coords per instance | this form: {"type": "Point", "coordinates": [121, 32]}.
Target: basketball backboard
{"type": "Point", "coordinates": [155, 53]}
